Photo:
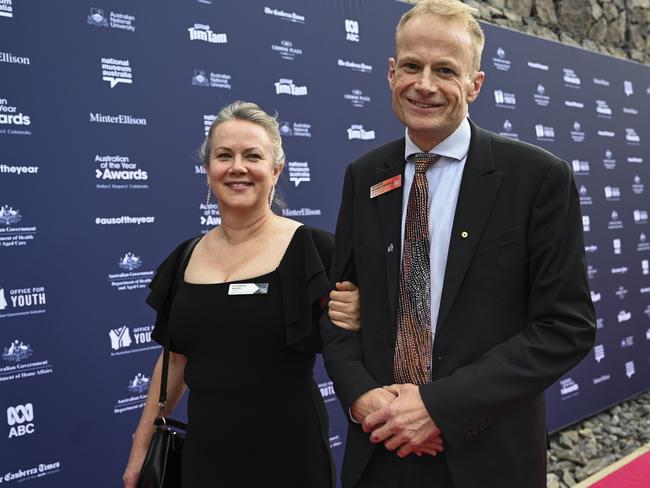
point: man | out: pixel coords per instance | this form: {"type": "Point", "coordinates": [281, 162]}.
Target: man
{"type": "Point", "coordinates": [471, 268]}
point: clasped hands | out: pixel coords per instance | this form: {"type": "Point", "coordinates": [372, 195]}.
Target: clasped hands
{"type": "Point", "coordinates": [396, 416]}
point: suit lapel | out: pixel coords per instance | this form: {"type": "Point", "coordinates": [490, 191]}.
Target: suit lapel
{"type": "Point", "coordinates": [389, 207]}
{"type": "Point", "coordinates": [478, 190]}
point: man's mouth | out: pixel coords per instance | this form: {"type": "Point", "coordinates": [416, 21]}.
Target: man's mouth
{"type": "Point", "coordinates": [421, 104]}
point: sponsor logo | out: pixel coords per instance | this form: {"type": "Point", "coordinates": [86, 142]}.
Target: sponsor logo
{"type": "Point", "coordinates": [612, 193]}
{"type": "Point", "coordinates": [357, 98]}
{"type": "Point", "coordinates": [601, 379]}
{"type": "Point", "coordinates": [540, 97]}
{"type": "Point", "coordinates": [586, 223]}
{"type": "Point", "coordinates": [203, 32]}
{"type": "Point", "coordinates": [628, 88]}
{"type": "Point", "coordinates": [616, 244]}
{"type": "Point", "coordinates": [327, 391]}
{"type": "Point", "coordinates": [600, 81]}
{"type": "Point", "coordinates": [571, 80]}
{"type": "Point", "coordinates": [207, 122]}
{"type": "Point", "coordinates": [13, 59]}
{"type": "Point", "coordinates": [599, 352]}
{"type": "Point", "coordinates": [13, 119]}
{"type": "Point", "coordinates": [299, 172]}
{"type": "Point", "coordinates": [580, 167]}
{"type": "Point", "coordinates": [643, 244]}
{"type": "Point", "coordinates": [22, 301]}
{"type": "Point", "coordinates": [212, 80]}
{"type": "Point", "coordinates": [210, 216]}
{"type": "Point", "coordinates": [43, 469]}
{"type": "Point", "coordinates": [544, 133]}
{"type": "Point", "coordinates": [585, 199]}
{"type": "Point", "coordinates": [574, 104]}
{"type": "Point", "coordinates": [592, 248]}
{"type": "Point", "coordinates": [20, 420]}
{"type": "Point", "coordinates": [354, 66]}
{"type": "Point", "coordinates": [623, 316]}
{"type": "Point", "coordinates": [634, 160]}
{"type": "Point", "coordinates": [129, 278]}
{"type": "Point", "coordinates": [6, 8]}
{"type": "Point", "coordinates": [606, 133]}
{"type": "Point", "coordinates": [286, 86]}
{"type": "Point", "coordinates": [614, 221]}
{"type": "Point", "coordinates": [289, 16]}
{"type": "Point", "coordinates": [621, 292]}
{"type": "Point", "coordinates": [507, 130]}
{"type": "Point", "coordinates": [640, 216]}
{"type": "Point", "coordinates": [116, 71]}
{"type": "Point", "coordinates": [619, 270]}
{"type": "Point", "coordinates": [602, 109]}
{"type": "Point", "coordinates": [568, 388]}
{"type": "Point", "coordinates": [505, 100]}
{"type": "Point", "coordinates": [127, 341]}
{"type": "Point", "coordinates": [629, 369]}
{"type": "Point", "coordinates": [608, 160]}
{"type": "Point", "coordinates": [10, 235]}
{"type": "Point", "coordinates": [357, 131]}
{"type": "Point", "coordinates": [539, 66]}
{"type": "Point", "coordinates": [645, 267]}
{"type": "Point", "coordinates": [599, 323]}
{"type": "Point", "coordinates": [500, 61]}
{"type": "Point", "coordinates": [295, 129]}
{"type": "Point", "coordinates": [138, 387]}
{"type": "Point", "coordinates": [630, 111]}
{"type": "Point", "coordinates": [119, 173]}
{"type": "Point", "coordinates": [577, 133]}
{"type": "Point", "coordinates": [121, 119]}
{"type": "Point", "coordinates": [644, 290]}
{"type": "Point", "coordinates": [286, 50]}
{"type": "Point", "coordinates": [125, 220]}
{"type": "Point", "coordinates": [632, 137]}
{"type": "Point", "coordinates": [18, 170]}
{"type": "Point", "coordinates": [17, 351]}
{"type": "Point", "coordinates": [592, 271]}
{"type": "Point", "coordinates": [637, 186]}
{"type": "Point", "coordinates": [351, 30]}
{"type": "Point", "coordinates": [114, 20]}
{"type": "Point", "coordinates": [301, 212]}
{"type": "Point", "coordinates": [595, 297]}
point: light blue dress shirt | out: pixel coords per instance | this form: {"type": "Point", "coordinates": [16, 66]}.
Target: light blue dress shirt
{"type": "Point", "coordinates": [444, 183]}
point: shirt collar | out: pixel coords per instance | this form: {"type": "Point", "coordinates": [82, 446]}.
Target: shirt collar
{"type": "Point", "coordinates": [454, 147]}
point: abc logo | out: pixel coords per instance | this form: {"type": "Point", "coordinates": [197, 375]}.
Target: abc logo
{"type": "Point", "coordinates": [20, 420]}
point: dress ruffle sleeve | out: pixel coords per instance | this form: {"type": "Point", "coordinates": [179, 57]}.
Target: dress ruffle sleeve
{"type": "Point", "coordinates": [304, 280]}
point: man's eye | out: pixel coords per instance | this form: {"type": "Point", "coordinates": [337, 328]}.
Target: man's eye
{"type": "Point", "coordinates": [410, 66]}
{"type": "Point", "coordinates": [445, 71]}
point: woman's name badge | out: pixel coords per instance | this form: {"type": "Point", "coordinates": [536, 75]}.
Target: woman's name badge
{"type": "Point", "coordinates": [248, 289]}
{"type": "Point", "coordinates": [385, 186]}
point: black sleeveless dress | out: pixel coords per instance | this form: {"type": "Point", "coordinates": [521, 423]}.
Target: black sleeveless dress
{"type": "Point", "coordinates": [255, 414]}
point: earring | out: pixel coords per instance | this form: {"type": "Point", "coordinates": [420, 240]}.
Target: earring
{"type": "Point", "coordinates": [271, 196]}
{"type": "Point", "coordinates": [207, 199]}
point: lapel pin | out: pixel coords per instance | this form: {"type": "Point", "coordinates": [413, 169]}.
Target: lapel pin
{"type": "Point", "coordinates": [390, 247]}
{"type": "Point", "coordinates": [464, 234]}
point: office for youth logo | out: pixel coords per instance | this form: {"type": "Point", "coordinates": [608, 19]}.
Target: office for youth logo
{"type": "Point", "coordinates": [126, 340]}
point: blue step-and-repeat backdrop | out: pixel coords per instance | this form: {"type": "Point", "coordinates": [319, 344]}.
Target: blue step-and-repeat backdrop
{"type": "Point", "coordinates": [103, 105]}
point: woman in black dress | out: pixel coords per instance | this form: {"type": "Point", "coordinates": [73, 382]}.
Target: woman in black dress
{"type": "Point", "coordinates": [243, 325]}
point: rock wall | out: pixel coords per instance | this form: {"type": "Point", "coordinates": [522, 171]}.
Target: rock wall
{"type": "Point", "coordinates": [617, 27]}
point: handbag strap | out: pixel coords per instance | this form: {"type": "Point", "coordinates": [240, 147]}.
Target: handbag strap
{"type": "Point", "coordinates": [162, 400]}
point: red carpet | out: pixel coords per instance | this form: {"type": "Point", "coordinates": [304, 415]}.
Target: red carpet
{"type": "Point", "coordinates": [635, 474]}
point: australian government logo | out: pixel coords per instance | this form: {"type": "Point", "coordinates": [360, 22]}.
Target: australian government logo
{"type": "Point", "coordinates": [137, 387]}
{"type": "Point", "coordinates": [508, 130]}
{"type": "Point", "coordinates": [207, 79]}
{"type": "Point", "coordinates": [121, 119]}
{"type": "Point", "coordinates": [288, 16]}
{"type": "Point", "coordinates": [116, 71]}
{"type": "Point", "coordinates": [299, 172]}
{"type": "Point", "coordinates": [26, 474]}
{"type": "Point", "coordinates": [295, 129]}
{"type": "Point", "coordinates": [286, 50]}
{"type": "Point", "coordinates": [17, 363]}
{"type": "Point", "coordinates": [6, 8]}
{"type": "Point", "coordinates": [114, 20]}
{"type": "Point", "coordinates": [11, 233]}
{"type": "Point", "coordinates": [354, 66]}
{"type": "Point", "coordinates": [357, 98]}
{"type": "Point", "coordinates": [126, 340]}
{"type": "Point", "coordinates": [130, 277]}
{"type": "Point", "coordinates": [209, 217]}
{"type": "Point", "coordinates": [115, 172]}
{"type": "Point", "coordinates": [540, 96]}
{"type": "Point", "coordinates": [501, 61]}
{"type": "Point", "coordinates": [12, 120]}
{"type": "Point", "coordinates": [16, 302]}
{"type": "Point", "coordinates": [204, 33]}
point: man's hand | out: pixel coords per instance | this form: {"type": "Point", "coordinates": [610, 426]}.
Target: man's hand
{"type": "Point", "coordinates": [344, 306]}
{"type": "Point", "coordinates": [404, 424]}
{"type": "Point", "coordinates": [371, 401]}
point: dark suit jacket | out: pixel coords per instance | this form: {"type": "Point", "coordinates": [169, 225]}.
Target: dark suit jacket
{"type": "Point", "coordinates": [515, 312]}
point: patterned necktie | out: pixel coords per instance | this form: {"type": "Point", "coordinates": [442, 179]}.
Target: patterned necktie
{"type": "Point", "coordinates": [414, 344]}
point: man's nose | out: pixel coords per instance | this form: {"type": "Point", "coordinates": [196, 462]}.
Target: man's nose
{"type": "Point", "coordinates": [427, 81]}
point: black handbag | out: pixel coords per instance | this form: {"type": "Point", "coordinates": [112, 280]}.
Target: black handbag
{"type": "Point", "coordinates": [162, 465]}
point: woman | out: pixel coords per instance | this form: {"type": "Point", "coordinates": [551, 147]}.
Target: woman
{"type": "Point", "coordinates": [243, 325]}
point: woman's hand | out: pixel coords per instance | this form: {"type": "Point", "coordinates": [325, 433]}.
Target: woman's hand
{"type": "Point", "coordinates": [344, 306]}
{"type": "Point", "coordinates": [132, 471]}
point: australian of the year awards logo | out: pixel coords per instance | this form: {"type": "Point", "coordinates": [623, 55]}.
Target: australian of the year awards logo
{"type": "Point", "coordinates": [299, 172]}
{"type": "Point", "coordinates": [571, 79]}
{"type": "Point", "coordinates": [357, 131]}
{"type": "Point", "coordinates": [631, 137]}
{"type": "Point", "coordinates": [351, 30]}
{"type": "Point", "coordinates": [126, 340]}
{"type": "Point", "coordinates": [126, 220]}
{"type": "Point", "coordinates": [130, 277]}
{"type": "Point", "coordinates": [17, 363]}
{"type": "Point", "coordinates": [12, 120]}
{"type": "Point", "coordinates": [209, 216]}
{"type": "Point", "coordinates": [15, 302]}
{"type": "Point", "coordinates": [18, 169]}
{"type": "Point", "coordinates": [117, 172]}
{"type": "Point", "coordinates": [204, 33]}
{"type": "Point", "coordinates": [295, 129]}
{"type": "Point", "coordinates": [6, 8]}
{"type": "Point", "coordinates": [116, 71]}
{"type": "Point", "coordinates": [137, 388]}
{"type": "Point", "coordinates": [113, 20]}
{"type": "Point", "coordinates": [286, 86]}
{"type": "Point", "coordinates": [203, 78]}
{"type": "Point", "coordinates": [569, 388]}
{"type": "Point", "coordinates": [11, 234]}
{"type": "Point", "coordinates": [20, 419]}
{"type": "Point", "coordinates": [602, 109]}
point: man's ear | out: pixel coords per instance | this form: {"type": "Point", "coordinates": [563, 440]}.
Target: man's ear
{"type": "Point", "coordinates": [391, 72]}
{"type": "Point", "coordinates": [477, 83]}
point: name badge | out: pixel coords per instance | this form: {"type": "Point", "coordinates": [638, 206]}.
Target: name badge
{"type": "Point", "coordinates": [385, 186]}
{"type": "Point", "coordinates": [248, 289]}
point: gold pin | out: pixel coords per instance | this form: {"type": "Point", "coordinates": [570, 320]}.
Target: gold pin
{"type": "Point", "coordinates": [464, 234]}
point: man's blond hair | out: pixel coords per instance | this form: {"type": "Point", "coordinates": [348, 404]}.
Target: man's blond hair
{"type": "Point", "coordinates": [454, 10]}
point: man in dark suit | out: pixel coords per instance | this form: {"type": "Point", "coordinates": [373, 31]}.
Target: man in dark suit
{"type": "Point", "coordinates": [471, 268]}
